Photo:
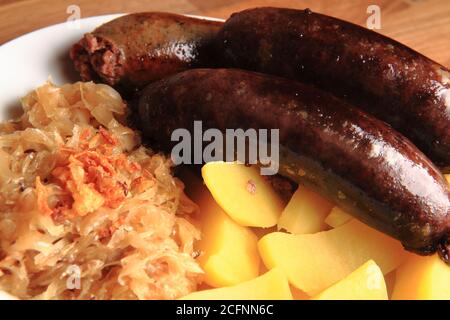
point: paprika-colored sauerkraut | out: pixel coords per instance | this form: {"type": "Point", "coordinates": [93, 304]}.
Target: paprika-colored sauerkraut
{"type": "Point", "coordinates": [86, 212]}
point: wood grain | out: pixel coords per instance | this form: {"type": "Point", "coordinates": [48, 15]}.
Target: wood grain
{"type": "Point", "coordinates": [421, 24]}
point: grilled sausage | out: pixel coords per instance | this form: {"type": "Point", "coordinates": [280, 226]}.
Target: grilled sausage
{"type": "Point", "coordinates": [380, 75]}
{"type": "Point", "coordinates": [350, 157]}
{"type": "Point", "coordinates": [135, 49]}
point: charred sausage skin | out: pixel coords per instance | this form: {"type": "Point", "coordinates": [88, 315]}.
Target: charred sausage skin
{"type": "Point", "coordinates": [354, 159]}
{"type": "Point", "coordinates": [133, 50]}
{"type": "Point", "coordinates": [380, 75]}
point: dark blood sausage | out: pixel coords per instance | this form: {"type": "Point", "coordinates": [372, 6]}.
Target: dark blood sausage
{"type": "Point", "coordinates": [350, 157]}
{"type": "Point", "coordinates": [133, 50]}
{"type": "Point", "coordinates": [380, 75]}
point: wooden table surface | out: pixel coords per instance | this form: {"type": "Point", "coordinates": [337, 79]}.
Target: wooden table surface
{"type": "Point", "coordinates": [421, 24]}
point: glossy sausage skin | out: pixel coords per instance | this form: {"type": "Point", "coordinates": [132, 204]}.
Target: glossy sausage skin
{"type": "Point", "coordinates": [352, 158]}
{"type": "Point", "coordinates": [380, 75]}
{"type": "Point", "coordinates": [133, 50]}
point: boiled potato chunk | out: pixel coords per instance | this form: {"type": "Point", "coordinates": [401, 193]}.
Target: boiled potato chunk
{"type": "Point", "coordinates": [422, 278]}
{"type": "Point", "coordinates": [337, 217]}
{"type": "Point", "coordinates": [273, 285]}
{"type": "Point", "coordinates": [365, 283]}
{"type": "Point", "coordinates": [228, 251]}
{"type": "Point", "coordinates": [313, 262]}
{"type": "Point", "coordinates": [447, 176]}
{"type": "Point", "coordinates": [305, 212]}
{"type": "Point", "coordinates": [243, 193]}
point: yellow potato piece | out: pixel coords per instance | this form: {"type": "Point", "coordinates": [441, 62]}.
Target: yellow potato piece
{"type": "Point", "coordinates": [305, 212]}
{"type": "Point", "coordinates": [243, 193]}
{"type": "Point", "coordinates": [337, 217]}
{"type": "Point", "coordinates": [229, 253]}
{"type": "Point", "coordinates": [422, 278]}
{"type": "Point", "coordinates": [273, 285]}
{"type": "Point", "coordinates": [365, 283]}
{"type": "Point", "coordinates": [313, 262]}
{"type": "Point", "coordinates": [447, 176]}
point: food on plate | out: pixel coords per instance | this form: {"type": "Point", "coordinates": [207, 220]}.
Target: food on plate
{"type": "Point", "coordinates": [272, 285]}
{"type": "Point", "coordinates": [243, 193]}
{"type": "Point", "coordinates": [80, 197]}
{"type": "Point", "coordinates": [354, 160]}
{"type": "Point", "coordinates": [88, 212]}
{"type": "Point", "coordinates": [426, 278]}
{"type": "Point", "coordinates": [365, 283]}
{"type": "Point", "coordinates": [314, 262]}
{"type": "Point", "coordinates": [305, 212]}
{"type": "Point", "coordinates": [135, 49]}
{"type": "Point", "coordinates": [337, 217]}
{"type": "Point", "coordinates": [228, 252]}
{"type": "Point", "coordinates": [378, 74]}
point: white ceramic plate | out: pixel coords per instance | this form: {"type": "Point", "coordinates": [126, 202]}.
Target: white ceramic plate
{"type": "Point", "coordinates": [28, 61]}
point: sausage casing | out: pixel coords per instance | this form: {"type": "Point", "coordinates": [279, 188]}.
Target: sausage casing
{"type": "Point", "coordinates": [376, 73]}
{"type": "Point", "coordinates": [350, 157]}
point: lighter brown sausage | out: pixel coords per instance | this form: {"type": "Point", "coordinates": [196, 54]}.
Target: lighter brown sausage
{"type": "Point", "coordinates": [133, 50]}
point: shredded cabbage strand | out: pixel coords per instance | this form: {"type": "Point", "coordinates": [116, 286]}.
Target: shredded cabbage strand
{"type": "Point", "coordinates": [79, 192]}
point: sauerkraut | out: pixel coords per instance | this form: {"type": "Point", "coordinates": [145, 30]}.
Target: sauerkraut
{"type": "Point", "coordinates": [86, 212]}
